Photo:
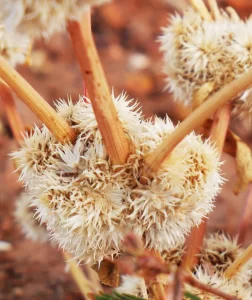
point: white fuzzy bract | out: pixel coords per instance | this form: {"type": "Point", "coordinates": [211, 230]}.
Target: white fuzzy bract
{"type": "Point", "coordinates": [44, 17]}
{"type": "Point", "coordinates": [197, 52]}
{"type": "Point", "coordinates": [25, 216]}
{"type": "Point", "coordinates": [232, 287]}
{"type": "Point", "coordinates": [87, 203]}
{"type": "Point", "coordinates": [133, 285]}
{"type": "Point", "coordinates": [14, 47]}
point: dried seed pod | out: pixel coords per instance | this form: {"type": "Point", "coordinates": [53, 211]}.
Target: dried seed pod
{"type": "Point", "coordinates": [14, 47]}
{"type": "Point", "coordinates": [199, 52]}
{"type": "Point", "coordinates": [25, 215]}
{"type": "Point", "coordinates": [87, 202]}
{"type": "Point", "coordinates": [42, 18]}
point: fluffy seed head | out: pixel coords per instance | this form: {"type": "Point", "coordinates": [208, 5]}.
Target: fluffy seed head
{"type": "Point", "coordinates": [42, 18]}
{"type": "Point", "coordinates": [198, 52]}
{"type": "Point", "coordinates": [14, 47]}
{"type": "Point", "coordinates": [87, 202]}
{"type": "Point", "coordinates": [231, 287]}
{"type": "Point", "coordinates": [133, 285]}
{"type": "Point", "coordinates": [25, 215]}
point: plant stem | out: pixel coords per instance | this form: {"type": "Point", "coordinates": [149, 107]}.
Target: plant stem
{"type": "Point", "coordinates": [57, 125]}
{"type": "Point", "coordinates": [80, 279]}
{"type": "Point", "coordinates": [246, 216]}
{"type": "Point", "coordinates": [204, 287]}
{"type": "Point", "coordinates": [155, 159]}
{"type": "Point", "coordinates": [13, 116]}
{"type": "Point", "coordinates": [111, 129]}
{"type": "Point", "coordinates": [240, 261]}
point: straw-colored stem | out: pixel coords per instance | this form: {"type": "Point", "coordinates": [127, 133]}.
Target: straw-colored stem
{"type": "Point", "coordinates": [220, 126]}
{"type": "Point", "coordinates": [193, 245]}
{"type": "Point", "coordinates": [200, 7]}
{"type": "Point", "coordinates": [246, 216]}
{"type": "Point", "coordinates": [207, 288]}
{"type": "Point", "coordinates": [57, 125]}
{"type": "Point", "coordinates": [79, 277]}
{"type": "Point", "coordinates": [115, 139]}
{"type": "Point", "coordinates": [214, 9]}
{"type": "Point", "coordinates": [158, 291]}
{"type": "Point", "coordinates": [240, 261]}
{"type": "Point", "coordinates": [12, 114]}
{"type": "Point", "coordinates": [155, 159]}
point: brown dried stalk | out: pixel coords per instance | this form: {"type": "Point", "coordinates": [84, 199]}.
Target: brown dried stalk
{"type": "Point", "coordinates": [13, 116]}
{"type": "Point", "coordinates": [57, 125]}
{"type": "Point", "coordinates": [240, 261]}
{"type": "Point", "coordinates": [154, 160]}
{"type": "Point", "coordinates": [196, 283]}
{"type": "Point", "coordinates": [79, 277]}
{"type": "Point", "coordinates": [200, 7]}
{"type": "Point", "coordinates": [115, 139]}
{"type": "Point", "coordinates": [246, 216]}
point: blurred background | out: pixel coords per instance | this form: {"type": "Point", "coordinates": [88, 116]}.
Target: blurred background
{"type": "Point", "coordinates": [126, 33]}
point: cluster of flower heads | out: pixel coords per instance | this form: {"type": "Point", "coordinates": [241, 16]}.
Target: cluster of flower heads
{"type": "Point", "coordinates": [14, 47]}
{"type": "Point", "coordinates": [42, 18]}
{"type": "Point", "coordinates": [88, 203]}
{"type": "Point", "coordinates": [198, 52]}
{"type": "Point", "coordinates": [218, 252]}
{"type": "Point", "coordinates": [30, 226]}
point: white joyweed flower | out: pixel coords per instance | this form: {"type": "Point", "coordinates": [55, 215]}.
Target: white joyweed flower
{"type": "Point", "coordinates": [14, 47]}
{"type": "Point", "coordinates": [220, 251]}
{"type": "Point", "coordinates": [232, 287]}
{"type": "Point", "coordinates": [25, 215]}
{"type": "Point", "coordinates": [42, 18]}
{"type": "Point", "coordinates": [87, 202]}
{"type": "Point", "coordinates": [198, 52]}
{"type": "Point", "coordinates": [133, 285]}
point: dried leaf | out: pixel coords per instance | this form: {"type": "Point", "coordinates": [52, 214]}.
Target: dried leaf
{"type": "Point", "coordinates": [108, 273]}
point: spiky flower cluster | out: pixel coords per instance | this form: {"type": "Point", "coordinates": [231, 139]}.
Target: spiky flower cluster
{"type": "Point", "coordinates": [42, 18]}
{"type": "Point", "coordinates": [133, 285]}
{"type": "Point", "coordinates": [87, 203]}
{"type": "Point", "coordinates": [198, 52]}
{"type": "Point", "coordinates": [232, 287]}
{"type": "Point", "coordinates": [25, 216]}
{"type": "Point", "coordinates": [14, 47]}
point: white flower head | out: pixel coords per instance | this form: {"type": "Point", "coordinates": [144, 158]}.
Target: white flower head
{"type": "Point", "coordinates": [14, 47]}
{"type": "Point", "coordinates": [197, 52]}
{"type": "Point", "coordinates": [44, 17]}
{"type": "Point", "coordinates": [87, 203]}
{"type": "Point", "coordinates": [220, 251]}
{"type": "Point", "coordinates": [231, 287]}
{"type": "Point", "coordinates": [25, 215]}
{"type": "Point", "coordinates": [133, 285]}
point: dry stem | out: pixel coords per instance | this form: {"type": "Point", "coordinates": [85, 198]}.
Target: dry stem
{"type": "Point", "coordinates": [13, 116]}
{"type": "Point", "coordinates": [200, 7]}
{"type": "Point", "coordinates": [227, 93]}
{"type": "Point", "coordinates": [240, 261]}
{"type": "Point", "coordinates": [79, 277]}
{"type": "Point", "coordinates": [246, 216]}
{"type": "Point", "coordinates": [57, 125]}
{"type": "Point", "coordinates": [196, 283]}
{"type": "Point", "coordinates": [115, 139]}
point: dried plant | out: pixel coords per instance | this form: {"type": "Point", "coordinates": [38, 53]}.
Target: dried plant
{"type": "Point", "coordinates": [42, 18]}
{"type": "Point", "coordinates": [202, 55]}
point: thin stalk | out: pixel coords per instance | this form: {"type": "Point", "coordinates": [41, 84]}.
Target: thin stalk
{"type": "Point", "coordinates": [56, 124]}
{"type": "Point", "coordinates": [246, 216]}
{"type": "Point", "coordinates": [80, 279]}
{"type": "Point", "coordinates": [204, 287]}
{"type": "Point", "coordinates": [115, 139]}
{"type": "Point", "coordinates": [14, 119]}
{"type": "Point", "coordinates": [240, 261]}
{"type": "Point", "coordinates": [155, 159]}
